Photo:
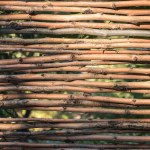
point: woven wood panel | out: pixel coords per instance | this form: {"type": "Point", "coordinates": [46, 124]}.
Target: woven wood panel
{"type": "Point", "coordinates": [87, 61]}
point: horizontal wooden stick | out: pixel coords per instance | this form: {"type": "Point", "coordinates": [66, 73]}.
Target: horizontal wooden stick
{"type": "Point", "coordinates": [108, 85]}
{"type": "Point", "coordinates": [54, 25]}
{"type": "Point", "coordinates": [138, 120]}
{"type": "Point", "coordinates": [60, 103]}
{"type": "Point", "coordinates": [53, 65]}
{"type": "Point", "coordinates": [68, 77]}
{"type": "Point", "coordinates": [74, 89]}
{"type": "Point", "coordinates": [86, 31]}
{"type": "Point", "coordinates": [64, 88]}
{"type": "Point", "coordinates": [10, 134]}
{"type": "Point", "coordinates": [128, 101]}
{"type": "Point", "coordinates": [74, 57]}
{"type": "Point", "coordinates": [92, 147]}
{"type": "Point", "coordinates": [92, 110]}
{"type": "Point", "coordinates": [84, 10]}
{"type": "Point", "coordinates": [99, 70]}
{"type": "Point", "coordinates": [64, 51]}
{"type": "Point", "coordinates": [77, 17]}
{"type": "Point", "coordinates": [72, 40]}
{"type": "Point", "coordinates": [112, 5]}
{"type": "Point", "coordinates": [81, 46]}
{"type": "Point", "coordinates": [98, 125]}
{"type": "Point", "coordinates": [116, 138]}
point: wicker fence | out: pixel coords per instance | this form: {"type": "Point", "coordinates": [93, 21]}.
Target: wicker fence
{"type": "Point", "coordinates": [87, 57]}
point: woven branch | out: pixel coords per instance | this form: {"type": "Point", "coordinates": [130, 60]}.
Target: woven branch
{"type": "Point", "coordinates": [88, 31]}
{"type": "Point", "coordinates": [53, 25]}
{"type": "Point", "coordinates": [112, 5]}
{"type": "Point", "coordinates": [83, 10]}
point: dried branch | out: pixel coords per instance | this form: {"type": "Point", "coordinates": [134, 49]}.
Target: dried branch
{"type": "Point", "coordinates": [68, 77]}
{"type": "Point", "coordinates": [74, 57]}
{"type": "Point", "coordinates": [138, 120]}
{"type": "Point", "coordinates": [53, 25]}
{"type": "Point", "coordinates": [99, 70]}
{"type": "Point", "coordinates": [35, 145]}
{"type": "Point", "coordinates": [75, 97]}
{"type": "Point", "coordinates": [62, 64]}
{"type": "Point", "coordinates": [92, 110]}
{"type": "Point", "coordinates": [88, 31]}
{"type": "Point", "coordinates": [77, 17]}
{"type": "Point", "coordinates": [98, 125]}
{"type": "Point", "coordinates": [112, 5]}
{"type": "Point", "coordinates": [82, 46]}
{"type": "Point", "coordinates": [60, 103]}
{"type": "Point", "coordinates": [84, 10]}
{"type": "Point", "coordinates": [64, 51]}
{"type": "Point", "coordinates": [71, 40]}
{"type": "Point", "coordinates": [108, 85]}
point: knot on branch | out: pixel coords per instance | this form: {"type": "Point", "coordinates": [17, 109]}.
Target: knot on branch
{"type": "Point", "coordinates": [73, 57]}
{"type": "Point", "coordinates": [127, 112]}
{"type": "Point", "coordinates": [103, 72]}
{"type": "Point", "coordinates": [135, 58]}
{"type": "Point", "coordinates": [39, 64]}
{"type": "Point", "coordinates": [13, 24]}
{"type": "Point", "coordinates": [120, 87]}
{"type": "Point", "coordinates": [20, 60]}
{"type": "Point", "coordinates": [12, 79]}
{"type": "Point", "coordinates": [86, 94]}
{"type": "Point", "coordinates": [112, 123]}
{"type": "Point", "coordinates": [71, 97]}
{"type": "Point", "coordinates": [134, 101]}
{"type": "Point", "coordinates": [114, 138]}
{"type": "Point", "coordinates": [31, 12]}
{"type": "Point", "coordinates": [114, 6]}
{"type": "Point", "coordinates": [43, 75]}
{"type": "Point", "coordinates": [88, 11]}
{"type": "Point", "coordinates": [49, 4]}
{"type": "Point", "coordinates": [64, 108]}
{"type": "Point", "coordinates": [135, 22]}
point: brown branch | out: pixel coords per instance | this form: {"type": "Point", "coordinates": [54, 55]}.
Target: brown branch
{"type": "Point", "coordinates": [53, 25]}
{"type": "Point", "coordinates": [116, 138]}
{"type": "Point", "coordinates": [133, 12]}
{"type": "Point", "coordinates": [72, 41]}
{"type": "Point", "coordinates": [139, 120]}
{"type": "Point", "coordinates": [108, 85]}
{"type": "Point", "coordinates": [81, 46]}
{"type": "Point", "coordinates": [74, 57]}
{"type": "Point", "coordinates": [36, 145]}
{"type": "Point", "coordinates": [92, 110]}
{"type": "Point", "coordinates": [142, 71]}
{"type": "Point", "coordinates": [98, 125]}
{"type": "Point", "coordinates": [73, 4]}
{"type": "Point", "coordinates": [63, 88]}
{"type": "Point", "coordinates": [64, 51]}
{"type": "Point", "coordinates": [10, 134]}
{"type": "Point", "coordinates": [60, 103]}
{"type": "Point", "coordinates": [63, 64]}
{"type": "Point", "coordinates": [68, 77]}
{"type": "Point", "coordinates": [77, 17]}
{"type": "Point", "coordinates": [74, 97]}
{"type": "Point", "coordinates": [87, 31]}
{"type": "Point", "coordinates": [75, 89]}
